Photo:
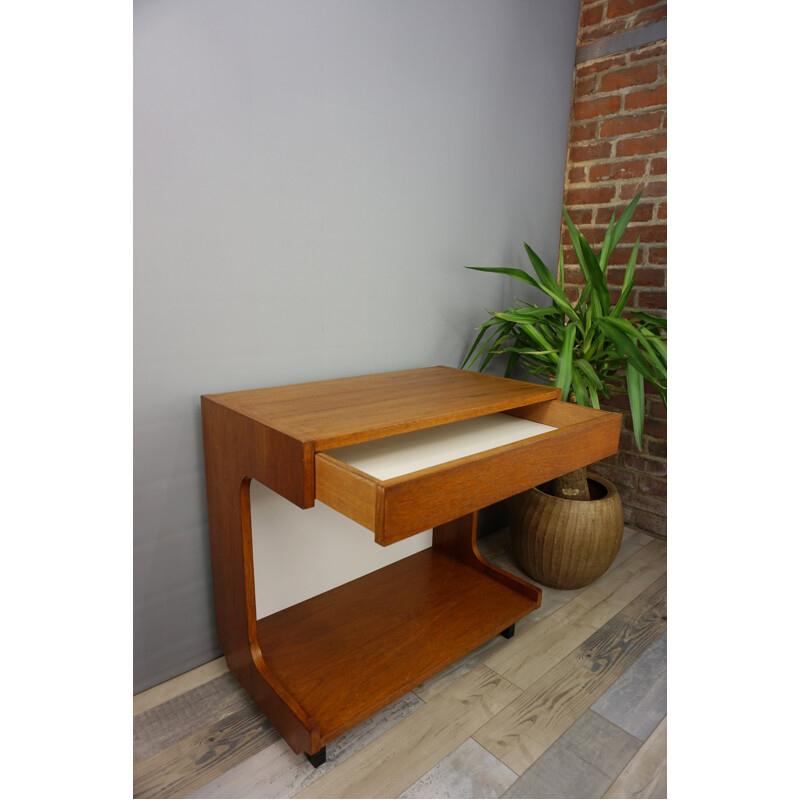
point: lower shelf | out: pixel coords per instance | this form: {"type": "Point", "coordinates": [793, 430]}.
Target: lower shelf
{"type": "Point", "coordinates": [348, 652]}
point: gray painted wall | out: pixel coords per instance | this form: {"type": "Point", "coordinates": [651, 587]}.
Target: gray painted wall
{"type": "Point", "coordinates": [309, 179]}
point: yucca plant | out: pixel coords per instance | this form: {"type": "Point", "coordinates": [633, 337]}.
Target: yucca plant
{"type": "Point", "coordinates": [580, 347]}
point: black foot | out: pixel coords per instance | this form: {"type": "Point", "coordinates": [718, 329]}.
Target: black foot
{"type": "Point", "coordinates": [509, 631]}
{"type": "Point", "coordinates": [318, 759]}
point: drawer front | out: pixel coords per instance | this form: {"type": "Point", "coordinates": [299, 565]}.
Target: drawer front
{"type": "Point", "coordinates": [400, 507]}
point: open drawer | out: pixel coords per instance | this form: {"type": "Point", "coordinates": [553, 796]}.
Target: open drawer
{"type": "Point", "coordinates": [400, 485]}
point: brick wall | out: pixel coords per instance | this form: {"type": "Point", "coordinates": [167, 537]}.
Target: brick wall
{"type": "Point", "coordinates": [618, 147]}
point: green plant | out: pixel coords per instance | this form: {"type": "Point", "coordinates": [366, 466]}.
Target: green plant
{"type": "Point", "coordinates": [580, 347]}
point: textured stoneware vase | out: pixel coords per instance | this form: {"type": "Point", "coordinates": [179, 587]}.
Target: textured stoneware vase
{"type": "Point", "coordinates": [566, 544]}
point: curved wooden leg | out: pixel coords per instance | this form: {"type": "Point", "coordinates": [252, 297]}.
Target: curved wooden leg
{"type": "Point", "coordinates": [459, 540]}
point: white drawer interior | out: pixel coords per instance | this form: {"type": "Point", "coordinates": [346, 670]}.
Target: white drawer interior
{"type": "Point", "coordinates": [404, 453]}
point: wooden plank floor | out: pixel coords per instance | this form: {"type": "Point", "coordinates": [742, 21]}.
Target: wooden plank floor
{"type": "Point", "coordinates": [573, 706]}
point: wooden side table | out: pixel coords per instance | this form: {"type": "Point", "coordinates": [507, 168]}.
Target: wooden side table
{"type": "Point", "coordinates": [322, 666]}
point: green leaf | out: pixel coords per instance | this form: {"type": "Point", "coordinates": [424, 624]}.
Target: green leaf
{"type": "Point", "coordinates": [627, 281]}
{"type": "Point", "coordinates": [563, 378]}
{"type": "Point", "coordinates": [482, 328]}
{"type": "Point", "coordinates": [549, 285]}
{"type": "Point", "coordinates": [580, 388]}
{"type": "Point", "coordinates": [561, 265]}
{"type": "Point", "coordinates": [519, 274]}
{"type": "Point", "coordinates": [586, 368]}
{"type": "Point", "coordinates": [538, 336]}
{"type": "Point", "coordinates": [512, 363]}
{"type": "Point", "coordinates": [624, 337]}
{"type": "Point", "coordinates": [575, 237]}
{"type": "Point", "coordinates": [636, 398]}
{"type": "Point", "coordinates": [659, 323]}
{"type": "Point", "coordinates": [624, 219]}
{"type": "Point", "coordinates": [596, 277]}
{"type": "Point", "coordinates": [605, 253]}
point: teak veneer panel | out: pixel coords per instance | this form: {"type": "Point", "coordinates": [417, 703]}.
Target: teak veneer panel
{"type": "Point", "coordinates": [318, 668]}
{"type": "Point", "coordinates": [351, 651]}
{"type": "Point", "coordinates": [400, 507]}
{"type": "Point", "coordinates": [344, 411]}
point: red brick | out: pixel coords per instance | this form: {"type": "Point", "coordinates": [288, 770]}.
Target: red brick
{"type": "Point", "coordinates": [630, 76]}
{"type": "Point", "coordinates": [621, 255]}
{"type": "Point", "coordinates": [655, 50]}
{"type": "Point", "coordinates": [580, 216]}
{"type": "Point", "coordinates": [601, 65]}
{"type": "Point", "coordinates": [627, 441]}
{"type": "Point", "coordinates": [589, 152]}
{"type": "Point", "coordinates": [656, 447]}
{"type": "Point", "coordinates": [577, 175]}
{"type": "Point", "coordinates": [655, 408]}
{"type": "Point", "coordinates": [585, 86]}
{"type": "Point", "coordinates": [656, 429]}
{"type": "Point", "coordinates": [599, 107]}
{"type": "Point", "coordinates": [620, 8]}
{"type": "Point", "coordinates": [643, 276]}
{"type": "Point", "coordinates": [631, 461]}
{"type": "Point", "coordinates": [658, 166]}
{"type": "Point", "coordinates": [650, 16]}
{"type": "Point", "coordinates": [645, 98]}
{"type": "Point", "coordinates": [645, 233]}
{"type": "Point", "coordinates": [595, 32]}
{"type": "Point", "coordinates": [652, 299]}
{"type": "Point", "coordinates": [588, 196]}
{"type": "Point", "coordinates": [642, 145]}
{"type": "Point", "coordinates": [618, 170]}
{"type": "Point", "coordinates": [583, 132]}
{"type": "Point", "coordinates": [650, 523]}
{"type": "Point", "coordinates": [652, 486]}
{"type": "Point", "coordinates": [648, 189]}
{"type": "Point", "coordinates": [591, 16]}
{"type": "Point", "coordinates": [633, 123]}
{"type": "Point", "coordinates": [662, 210]}
{"type": "Point", "coordinates": [572, 294]}
{"type": "Point", "coordinates": [642, 213]}
{"type": "Point", "coordinates": [656, 468]}
{"type": "Point", "coordinates": [617, 476]}
{"type": "Point", "coordinates": [645, 502]}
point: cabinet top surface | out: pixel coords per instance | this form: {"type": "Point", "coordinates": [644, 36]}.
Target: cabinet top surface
{"type": "Point", "coordinates": [332, 413]}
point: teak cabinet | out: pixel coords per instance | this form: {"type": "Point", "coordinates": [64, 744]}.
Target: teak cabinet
{"type": "Point", "coordinates": [320, 667]}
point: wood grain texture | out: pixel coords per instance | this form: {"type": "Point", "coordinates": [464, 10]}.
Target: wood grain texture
{"type": "Point", "coordinates": [469, 771]}
{"type": "Point", "coordinates": [390, 764]}
{"type": "Point", "coordinates": [352, 650]}
{"type": "Point", "coordinates": [432, 497]}
{"type": "Point", "coordinates": [343, 411]}
{"type": "Point", "coordinates": [234, 453]}
{"type": "Point", "coordinates": [186, 765]}
{"type": "Point", "coordinates": [559, 634]}
{"type": "Point", "coordinates": [495, 549]}
{"type": "Point", "coordinates": [646, 773]}
{"type": "Point", "coordinates": [176, 686]}
{"type": "Point", "coordinates": [637, 702]}
{"type": "Point", "coordinates": [400, 507]}
{"type": "Point", "coordinates": [581, 763]}
{"type": "Point", "coordinates": [196, 709]}
{"type": "Point", "coordinates": [278, 772]}
{"type": "Point", "coordinates": [521, 733]}
{"type": "Point", "coordinates": [318, 678]}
